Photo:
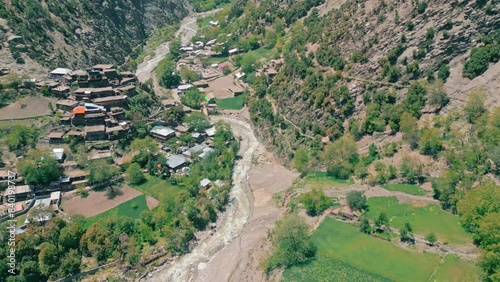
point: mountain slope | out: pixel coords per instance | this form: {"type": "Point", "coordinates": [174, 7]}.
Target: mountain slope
{"type": "Point", "coordinates": [79, 33]}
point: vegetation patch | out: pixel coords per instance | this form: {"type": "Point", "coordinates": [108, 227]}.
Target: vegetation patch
{"type": "Point", "coordinates": [343, 242]}
{"type": "Point", "coordinates": [234, 103]}
{"type": "Point", "coordinates": [325, 177]}
{"type": "Point", "coordinates": [328, 269]}
{"type": "Point", "coordinates": [424, 220]}
{"type": "Point", "coordinates": [131, 208]}
{"type": "Point", "coordinates": [455, 269]}
{"type": "Point", "coordinates": [158, 188]}
{"type": "Point", "coordinates": [406, 188]}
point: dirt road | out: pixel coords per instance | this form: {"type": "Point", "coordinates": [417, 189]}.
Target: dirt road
{"type": "Point", "coordinates": [186, 31]}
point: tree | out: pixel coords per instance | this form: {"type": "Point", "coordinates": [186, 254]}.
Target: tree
{"type": "Point", "coordinates": [382, 221]}
{"type": "Point", "coordinates": [290, 243]}
{"type": "Point", "coordinates": [356, 200]}
{"type": "Point", "coordinates": [316, 201]}
{"type": "Point", "coordinates": [197, 121]}
{"type": "Point", "coordinates": [477, 203]}
{"type": "Point", "coordinates": [411, 169]}
{"type": "Point", "coordinates": [474, 108]}
{"type": "Point", "coordinates": [409, 127]}
{"type": "Point", "coordinates": [431, 237]}
{"type": "Point", "coordinates": [102, 174]}
{"type": "Point", "coordinates": [167, 73]}
{"type": "Point", "coordinates": [406, 233]}
{"type": "Point", "coordinates": [193, 98]}
{"type": "Point", "coordinates": [70, 263]}
{"type": "Point", "coordinates": [20, 138]}
{"type": "Point", "coordinates": [430, 142]}
{"type": "Point", "coordinates": [415, 99]}
{"type": "Point", "coordinates": [39, 167]}
{"type": "Point", "coordinates": [365, 226]}
{"type": "Point", "coordinates": [134, 174]}
{"type": "Point", "coordinates": [174, 115]}
{"type": "Point", "coordinates": [443, 72]}
{"type": "Point", "coordinates": [189, 75]}
{"type": "Point", "coordinates": [341, 156]}
{"type": "Point", "coordinates": [48, 259]}
{"type": "Point", "coordinates": [301, 160]}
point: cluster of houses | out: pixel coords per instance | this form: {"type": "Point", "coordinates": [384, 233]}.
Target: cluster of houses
{"type": "Point", "coordinates": [96, 104]}
{"type": "Point", "coordinates": [200, 147]}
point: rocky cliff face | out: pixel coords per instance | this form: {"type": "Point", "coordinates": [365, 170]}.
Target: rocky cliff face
{"type": "Point", "coordinates": [78, 33]}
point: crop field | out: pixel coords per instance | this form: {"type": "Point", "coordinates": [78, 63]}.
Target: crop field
{"type": "Point", "coordinates": [131, 208]}
{"type": "Point", "coordinates": [158, 188]}
{"type": "Point", "coordinates": [424, 220]}
{"type": "Point", "coordinates": [454, 269]}
{"type": "Point", "coordinates": [345, 254]}
{"type": "Point", "coordinates": [406, 188]}
{"type": "Point", "coordinates": [234, 103]}
{"type": "Point", "coordinates": [328, 269]}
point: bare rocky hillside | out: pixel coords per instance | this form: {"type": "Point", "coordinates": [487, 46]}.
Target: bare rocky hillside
{"type": "Point", "coordinates": [79, 33]}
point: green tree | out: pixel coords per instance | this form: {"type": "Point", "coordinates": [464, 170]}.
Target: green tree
{"type": "Point", "coordinates": [197, 121]}
{"type": "Point", "coordinates": [356, 200]}
{"type": "Point", "coordinates": [382, 221]}
{"type": "Point", "coordinates": [134, 174]}
{"type": "Point", "coordinates": [443, 72]}
{"type": "Point", "coordinates": [477, 203]}
{"type": "Point", "coordinates": [48, 259]}
{"type": "Point", "coordinates": [39, 167]}
{"type": "Point", "coordinates": [103, 174]}
{"type": "Point", "coordinates": [406, 233]}
{"type": "Point", "coordinates": [166, 72]}
{"type": "Point", "coordinates": [411, 169]}
{"type": "Point", "coordinates": [290, 243]}
{"type": "Point", "coordinates": [431, 237]}
{"type": "Point", "coordinates": [70, 263]}
{"type": "Point", "coordinates": [415, 99]}
{"type": "Point", "coordinates": [341, 156]}
{"type": "Point", "coordinates": [316, 201]}
{"type": "Point", "coordinates": [474, 108]}
{"type": "Point", "coordinates": [430, 143]}
{"type": "Point", "coordinates": [301, 160]}
{"type": "Point", "coordinates": [193, 98]}
{"type": "Point", "coordinates": [20, 138]}
{"type": "Point", "coordinates": [365, 226]}
{"type": "Point", "coordinates": [409, 127]}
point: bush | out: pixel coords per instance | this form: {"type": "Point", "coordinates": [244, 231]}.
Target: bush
{"type": "Point", "coordinates": [134, 174]}
{"type": "Point", "coordinates": [356, 200]}
{"type": "Point", "coordinates": [291, 243]}
{"type": "Point", "coordinates": [316, 202]}
{"type": "Point", "coordinates": [431, 237]}
{"type": "Point", "coordinates": [480, 59]}
{"type": "Point", "coordinates": [421, 7]}
{"type": "Point", "coordinates": [443, 72]}
{"type": "Point", "coordinates": [340, 157]}
{"type": "Point", "coordinates": [411, 169]}
{"type": "Point", "coordinates": [192, 98]}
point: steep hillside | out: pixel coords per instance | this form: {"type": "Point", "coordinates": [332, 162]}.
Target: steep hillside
{"type": "Point", "coordinates": [79, 33]}
{"type": "Point", "coordinates": [338, 65]}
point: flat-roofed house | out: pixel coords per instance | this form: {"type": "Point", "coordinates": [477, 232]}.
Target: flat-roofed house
{"type": "Point", "coordinates": [66, 105]}
{"type": "Point", "coordinates": [91, 93]}
{"type": "Point", "coordinates": [115, 132]}
{"type": "Point", "coordinates": [236, 90]}
{"type": "Point", "coordinates": [162, 132]}
{"type": "Point", "coordinates": [19, 193]}
{"type": "Point", "coordinates": [109, 101]}
{"type": "Point", "coordinates": [79, 75]}
{"type": "Point", "coordinates": [59, 73]}
{"type": "Point", "coordinates": [58, 154]}
{"type": "Point", "coordinates": [181, 89]}
{"type": "Point", "coordinates": [61, 91]}
{"type": "Point", "coordinates": [55, 197]}
{"type": "Point", "coordinates": [55, 137]}
{"type": "Point", "coordinates": [95, 118]}
{"type": "Point", "coordinates": [102, 67]}
{"type": "Point", "coordinates": [95, 132]}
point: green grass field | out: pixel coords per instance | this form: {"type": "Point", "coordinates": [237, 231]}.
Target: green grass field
{"type": "Point", "coordinates": [454, 270]}
{"type": "Point", "coordinates": [345, 254]}
{"type": "Point", "coordinates": [406, 188]}
{"type": "Point", "coordinates": [158, 188]}
{"type": "Point", "coordinates": [234, 103]}
{"type": "Point", "coordinates": [123, 209]}
{"type": "Point", "coordinates": [328, 269]}
{"type": "Point", "coordinates": [424, 220]}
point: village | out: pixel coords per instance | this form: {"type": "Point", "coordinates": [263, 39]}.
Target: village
{"type": "Point", "coordinates": [91, 106]}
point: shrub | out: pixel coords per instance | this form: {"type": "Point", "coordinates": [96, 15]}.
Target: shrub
{"type": "Point", "coordinates": [356, 200]}
{"type": "Point", "coordinates": [316, 202]}
{"type": "Point", "coordinates": [443, 72]}
{"type": "Point", "coordinates": [431, 237]}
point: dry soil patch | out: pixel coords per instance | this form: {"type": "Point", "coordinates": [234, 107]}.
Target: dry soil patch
{"type": "Point", "coordinates": [96, 202]}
